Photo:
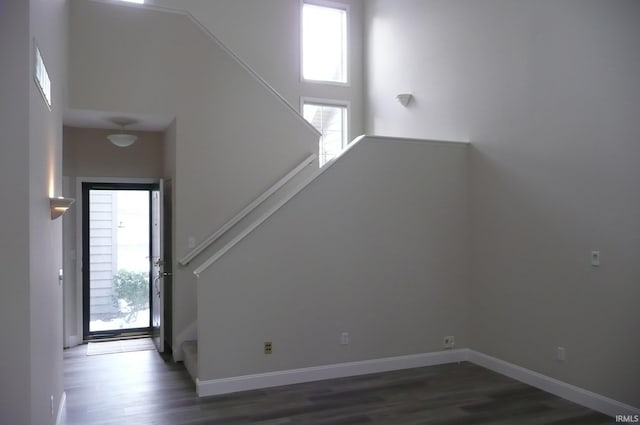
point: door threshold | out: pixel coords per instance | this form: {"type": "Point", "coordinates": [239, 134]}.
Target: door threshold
{"type": "Point", "coordinates": [118, 337]}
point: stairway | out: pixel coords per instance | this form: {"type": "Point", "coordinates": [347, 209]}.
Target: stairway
{"type": "Point", "coordinates": [376, 238]}
{"type": "Point", "coordinates": [190, 355]}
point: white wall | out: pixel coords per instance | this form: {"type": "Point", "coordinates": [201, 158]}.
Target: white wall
{"type": "Point", "coordinates": [548, 94]}
{"type": "Point", "coordinates": [266, 35]}
{"type": "Point", "coordinates": [48, 25]}
{"type": "Point", "coordinates": [234, 138]}
{"type": "Point", "coordinates": [87, 153]}
{"type": "Point", "coordinates": [30, 172]}
{"type": "Point", "coordinates": [376, 246]}
{"type": "Point", "coordinates": [14, 223]}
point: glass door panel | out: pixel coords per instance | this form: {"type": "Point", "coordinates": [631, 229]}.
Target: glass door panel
{"type": "Point", "coordinates": [117, 261]}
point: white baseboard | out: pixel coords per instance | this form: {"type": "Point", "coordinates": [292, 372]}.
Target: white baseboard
{"type": "Point", "coordinates": [561, 389]}
{"type": "Point", "coordinates": [318, 373]}
{"type": "Point", "coordinates": [61, 406]}
{"type": "Point", "coordinates": [570, 392]}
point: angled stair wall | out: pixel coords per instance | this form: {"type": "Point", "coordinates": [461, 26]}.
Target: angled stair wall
{"type": "Point", "coordinates": [232, 136]}
{"type": "Point", "coordinates": [375, 246]}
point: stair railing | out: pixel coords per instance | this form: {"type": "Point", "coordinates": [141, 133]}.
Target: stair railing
{"type": "Point", "coordinates": [184, 261]}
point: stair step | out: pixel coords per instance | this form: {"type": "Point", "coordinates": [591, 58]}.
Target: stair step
{"type": "Point", "coordinates": [190, 352]}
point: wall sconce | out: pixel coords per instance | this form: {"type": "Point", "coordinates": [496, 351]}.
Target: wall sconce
{"type": "Point", "coordinates": [404, 98]}
{"type": "Point", "coordinates": [60, 206]}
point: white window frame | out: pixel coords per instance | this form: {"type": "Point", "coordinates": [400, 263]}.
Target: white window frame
{"type": "Point", "coordinates": [41, 76]}
{"type": "Point", "coordinates": [335, 5]}
{"type": "Point", "coordinates": [128, 3]}
{"type": "Point", "coordinates": [330, 102]}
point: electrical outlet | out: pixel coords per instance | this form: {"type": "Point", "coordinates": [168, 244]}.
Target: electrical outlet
{"type": "Point", "coordinates": [449, 341]}
{"type": "Point", "coordinates": [344, 338]}
{"type": "Point", "coordinates": [52, 406]}
{"type": "Point", "coordinates": [268, 347]}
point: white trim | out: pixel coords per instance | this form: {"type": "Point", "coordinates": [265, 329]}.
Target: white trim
{"type": "Point", "coordinates": [67, 258]}
{"type": "Point", "coordinates": [203, 28]}
{"type": "Point", "coordinates": [332, 5]}
{"type": "Point", "coordinates": [246, 211]}
{"type": "Point", "coordinates": [61, 407]}
{"type": "Point", "coordinates": [318, 373]}
{"type": "Point", "coordinates": [246, 231]}
{"type": "Point", "coordinates": [570, 392]}
{"type": "Point", "coordinates": [414, 140]}
{"type": "Point", "coordinates": [322, 101]}
{"type": "Point", "coordinates": [558, 388]}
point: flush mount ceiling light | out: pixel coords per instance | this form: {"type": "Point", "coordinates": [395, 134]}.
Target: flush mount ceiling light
{"type": "Point", "coordinates": [122, 140]}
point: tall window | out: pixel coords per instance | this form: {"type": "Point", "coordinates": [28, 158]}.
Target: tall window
{"type": "Point", "coordinates": [331, 122]}
{"type": "Point", "coordinates": [324, 43]}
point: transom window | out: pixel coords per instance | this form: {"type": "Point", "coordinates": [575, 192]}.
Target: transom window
{"type": "Point", "coordinates": [324, 43]}
{"type": "Point", "coordinates": [331, 121]}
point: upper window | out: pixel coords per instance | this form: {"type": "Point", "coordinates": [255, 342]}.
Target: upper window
{"type": "Point", "coordinates": [331, 121]}
{"type": "Point", "coordinates": [41, 76]}
{"type": "Point", "coordinates": [324, 43]}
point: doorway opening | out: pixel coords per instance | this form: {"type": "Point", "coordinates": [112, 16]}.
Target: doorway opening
{"type": "Point", "coordinates": [121, 258]}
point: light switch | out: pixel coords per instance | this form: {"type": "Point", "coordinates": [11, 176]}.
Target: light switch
{"type": "Point", "coordinates": [595, 258]}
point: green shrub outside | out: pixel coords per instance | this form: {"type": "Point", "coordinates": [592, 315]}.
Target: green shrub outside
{"type": "Point", "coordinates": [132, 288]}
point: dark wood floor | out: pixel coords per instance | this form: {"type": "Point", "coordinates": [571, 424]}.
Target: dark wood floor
{"type": "Point", "coordinates": [141, 388]}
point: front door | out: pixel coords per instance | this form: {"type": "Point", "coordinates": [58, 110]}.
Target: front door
{"type": "Point", "coordinates": [157, 266]}
{"type": "Point", "coordinates": [167, 275]}
{"type": "Point", "coordinates": [118, 259]}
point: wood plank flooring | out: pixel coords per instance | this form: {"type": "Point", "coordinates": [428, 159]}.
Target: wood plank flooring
{"type": "Point", "coordinates": [142, 388]}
